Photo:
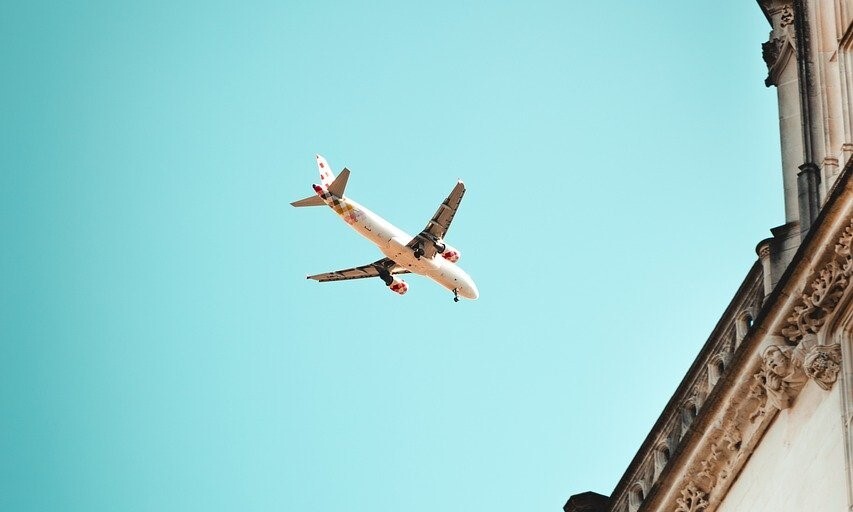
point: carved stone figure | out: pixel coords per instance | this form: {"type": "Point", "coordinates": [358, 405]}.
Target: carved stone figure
{"type": "Point", "coordinates": [822, 364]}
{"type": "Point", "coordinates": [786, 17]}
{"type": "Point", "coordinates": [781, 376]}
{"type": "Point", "coordinates": [770, 52]}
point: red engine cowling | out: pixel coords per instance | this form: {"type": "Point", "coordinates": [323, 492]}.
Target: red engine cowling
{"type": "Point", "coordinates": [398, 286]}
{"type": "Point", "coordinates": [451, 254]}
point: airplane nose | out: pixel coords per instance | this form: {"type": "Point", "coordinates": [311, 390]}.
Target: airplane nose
{"type": "Point", "coordinates": [471, 291]}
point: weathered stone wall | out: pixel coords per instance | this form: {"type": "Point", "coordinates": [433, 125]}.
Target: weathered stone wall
{"type": "Point", "coordinates": [799, 464]}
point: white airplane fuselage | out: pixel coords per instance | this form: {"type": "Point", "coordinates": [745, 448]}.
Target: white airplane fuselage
{"type": "Point", "coordinates": [393, 242]}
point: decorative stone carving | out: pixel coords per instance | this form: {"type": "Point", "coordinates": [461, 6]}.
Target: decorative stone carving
{"type": "Point", "coordinates": [757, 393]}
{"type": "Point", "coordinates": [786, 17]}
{"type": "Point", "coordinates": [691, 500]}
{"type": "Point", "coordinates": [781, 375]}
{"type": "Point", "coordinates": [709, 468]}
{"type": "Point", "coordinates": [819, 299]}
{"type": "Point", "coordinates": [771, 50]}
{"type": "Point", "coordinates": [784, 368]}
{"type": "Point", "coordinates": [732, 437]}
{"type": "Point", "coordinates": [822, 364]}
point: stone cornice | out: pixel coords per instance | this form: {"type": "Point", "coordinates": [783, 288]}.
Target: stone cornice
{"type": "Point", "coordinates": [784, 348]}
{"type": "Point", "coordinates": [675, 426]}
{"type": "Point", "coordinates": [758, 388]}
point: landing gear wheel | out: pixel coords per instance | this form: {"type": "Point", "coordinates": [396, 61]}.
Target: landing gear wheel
{"type": "Point", "coordinates": [419, 251]}
{"type": "Point", "coordinates": [455, 295]}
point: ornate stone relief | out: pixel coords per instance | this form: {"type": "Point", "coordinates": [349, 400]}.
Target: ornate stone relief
{"type": "Point", "coordinates": [771, 50]}
{"type": "Point", "coordinates": [776, 51]}
{"type": "Point", "coordinates": [786, 16]}
{"type": "Point", "coordinates": [721, 459]}
{"type": "Point", "coordinates": [820, 298]}
{"type": "Point", "coordinates": [692, 499]}
{"type": "Point", "coordinates": [781, 377]}
{"type": "Point", "coordinates": [822, 364]}
{"type": "Point", "coordinates": [783, 370]}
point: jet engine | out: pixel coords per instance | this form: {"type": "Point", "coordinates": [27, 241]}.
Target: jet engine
{"type": "Point", "coordinates": [451, 254]}
{"type": "Point", "coordinates": [398, 286]}
{"type": "Point", "coordinates": [447, 251]}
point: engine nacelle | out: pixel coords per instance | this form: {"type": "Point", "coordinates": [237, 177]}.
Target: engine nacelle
{"type": "Point", "coordinates": [398, 286]}
{"type": "Point", "coordinates": [447, 251]}
{"type": "Point", "coordinates": [450, 253]}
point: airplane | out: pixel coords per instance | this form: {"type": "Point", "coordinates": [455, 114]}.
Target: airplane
{"type": "Point", "coordinates": [426, 254]}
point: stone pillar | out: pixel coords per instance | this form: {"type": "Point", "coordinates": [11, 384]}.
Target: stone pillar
{"type": "Point", "coordinates": [763, 251]}
{"type": "Point", "coordinates": [780, 55]}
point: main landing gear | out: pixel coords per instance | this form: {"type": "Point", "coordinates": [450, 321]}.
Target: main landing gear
{"type": "Point", "coordinates": [384, 275]}
{"type": "Point", "coordinates": [419, 251]}
{"type": "Point", "coordinates": [455, 295]}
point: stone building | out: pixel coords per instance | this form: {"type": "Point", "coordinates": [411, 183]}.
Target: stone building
{"type": "Point", "coordinates": [761, 420]}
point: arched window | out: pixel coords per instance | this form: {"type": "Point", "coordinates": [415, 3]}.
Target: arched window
{"type": "Point", "coordinates": [689, 411]}
{"type": "Point", "coordinates": [716, 368]}
{"type": "Point", "coordinates": [661, 457]}
{"type": "Point", "coordinates": [636, 495]}
{"type": "Point", "coordinates": [742, 325]}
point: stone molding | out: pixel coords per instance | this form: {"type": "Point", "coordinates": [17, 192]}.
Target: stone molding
{"type": "Point", "coordinates": [686, 406]}
{"type": "Point", "coordinates": [709, 448]}
{"type": "Point", "coordinates": [819, 299]}
{"type": "Point", "coordinates": [783, 370]}
{"type": "Point", "coordinates": [781, 44]}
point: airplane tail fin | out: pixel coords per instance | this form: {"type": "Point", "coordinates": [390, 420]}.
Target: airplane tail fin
{"type": "Point", "coordinates": [334, 185]}
{"type": "Point", "coordinates": [326, 174]}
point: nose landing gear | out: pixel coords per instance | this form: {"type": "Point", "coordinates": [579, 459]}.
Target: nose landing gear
{"type": "Point", "coordinates": [456, 295]}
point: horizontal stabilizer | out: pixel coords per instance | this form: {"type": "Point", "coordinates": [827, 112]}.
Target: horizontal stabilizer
{"type": "Point", "coordinates": [337, 187]}
{"type": "Point", "coordinates": [309, 201]}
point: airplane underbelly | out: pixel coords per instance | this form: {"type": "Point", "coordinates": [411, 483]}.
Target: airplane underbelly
{"type": "Point", "coordinates": [396, 249]}
{"type": "Point", "coordinates": [453, 278]}
{"type": "Point", "coordinates": [374, 228]}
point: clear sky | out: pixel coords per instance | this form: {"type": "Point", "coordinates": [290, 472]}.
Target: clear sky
{"type": "Point", "coordinates": [160, 347]}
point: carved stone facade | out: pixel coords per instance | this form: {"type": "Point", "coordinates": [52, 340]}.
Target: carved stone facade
{"type": "Point", "coordinates": [764, 388]}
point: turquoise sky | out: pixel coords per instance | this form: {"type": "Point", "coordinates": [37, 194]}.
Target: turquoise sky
{"type": "Point", "coordinates": [160, 348]}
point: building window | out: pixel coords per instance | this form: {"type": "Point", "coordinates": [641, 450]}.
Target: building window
{"type": "Point", "coordinates": [636, 496]}
{"type": "Point", "coordinates": [661, 458]}
{"type": "Point", "coordinates": [742, 325]}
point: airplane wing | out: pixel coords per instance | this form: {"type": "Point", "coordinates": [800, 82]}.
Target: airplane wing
{"type": "Point", "coordinates": [362, 272]}
{"type": "Point", "coordinates": [437, 227]}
